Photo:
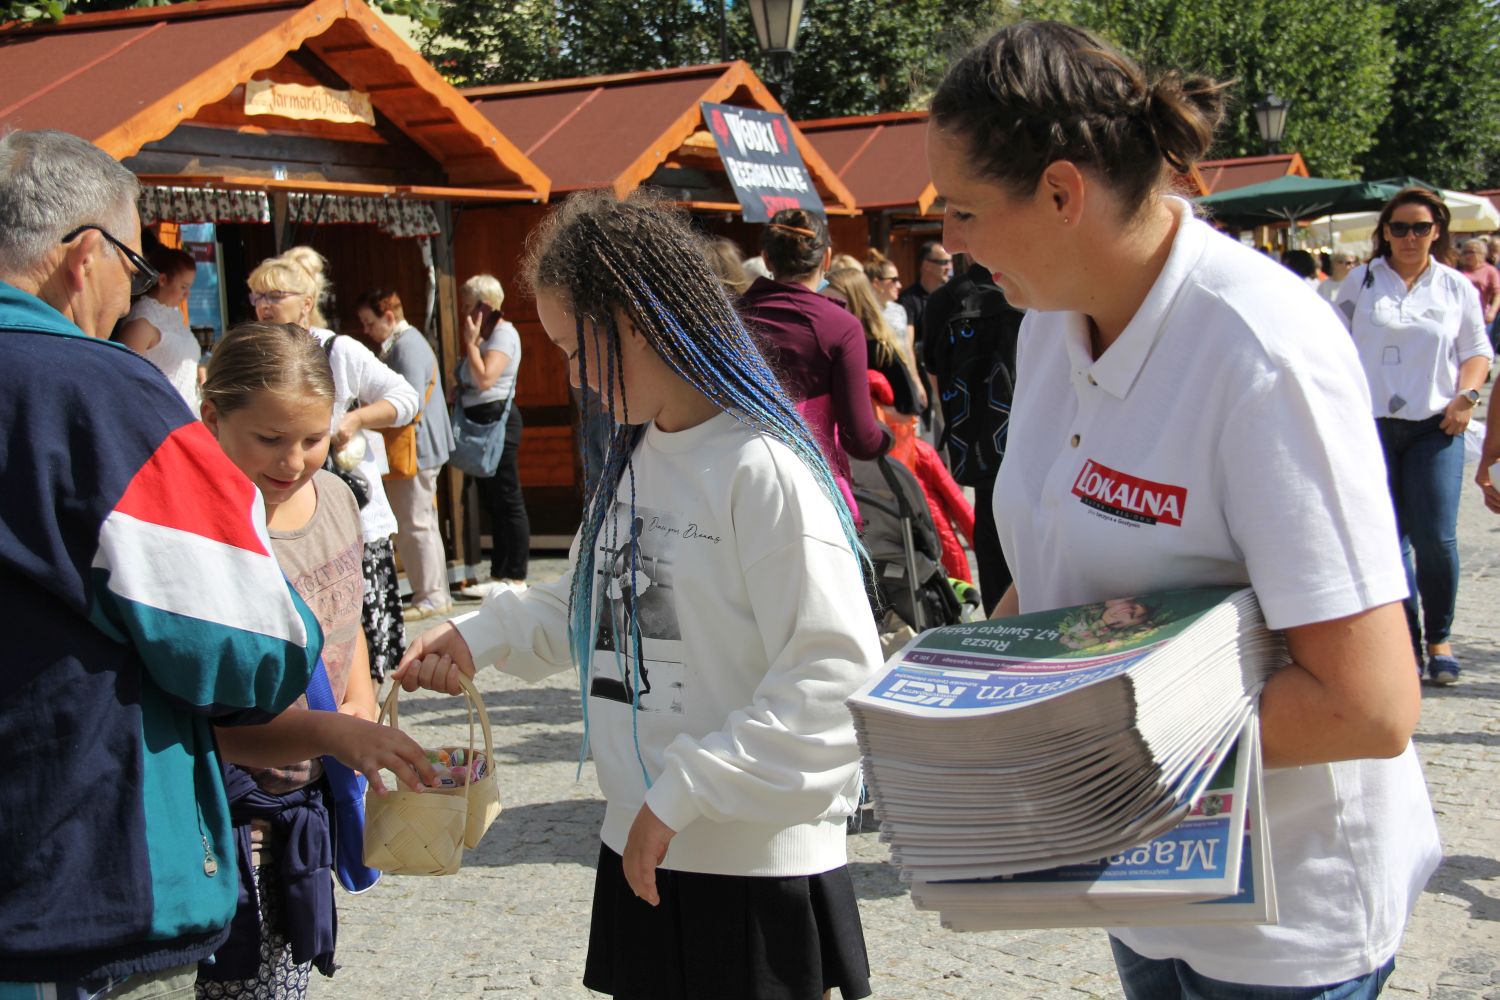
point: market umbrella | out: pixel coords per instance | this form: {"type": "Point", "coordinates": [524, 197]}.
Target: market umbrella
{"type": "Point", "coordinates": [1288, 199]}
{"type": "Point", "coordinates": [1469, 213]}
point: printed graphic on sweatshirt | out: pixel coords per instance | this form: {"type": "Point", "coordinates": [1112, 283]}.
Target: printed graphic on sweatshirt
{"type": "Point", "coordinates": [1129, 498]}
{"type": "Point", "coordinates": [638, 648]}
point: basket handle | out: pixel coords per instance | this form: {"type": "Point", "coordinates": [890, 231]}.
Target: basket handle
{"type": "Point", "coordinates": [471, 696]}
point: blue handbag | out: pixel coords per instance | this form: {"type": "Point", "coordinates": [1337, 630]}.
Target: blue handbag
{"type": "Point", "coordinates": [477, 447]}
{"type": "Point", "coordinates": [347, 789]}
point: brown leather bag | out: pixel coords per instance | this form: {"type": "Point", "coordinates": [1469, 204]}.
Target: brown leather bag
{"type": "Point", "coordinates": [401, 442]}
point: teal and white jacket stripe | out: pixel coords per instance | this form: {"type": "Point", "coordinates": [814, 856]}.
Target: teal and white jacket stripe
{"type": "Point", "coordinates": [144, 605]}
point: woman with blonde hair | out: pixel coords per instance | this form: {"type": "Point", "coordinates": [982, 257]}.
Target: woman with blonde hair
{"type": "Point", "coordinates": [489, 360]}
{"type": "Point", "coordinates": [885, 352]}
{"type": "Point", "coordinates": [368, 396]}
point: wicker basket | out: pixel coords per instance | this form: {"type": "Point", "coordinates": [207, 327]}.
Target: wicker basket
{"type": "Point", "coordinates": [425, 833]}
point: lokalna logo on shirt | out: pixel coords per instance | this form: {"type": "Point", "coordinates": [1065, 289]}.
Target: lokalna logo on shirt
{"type": "Point", "coordinates": [1128, 497]}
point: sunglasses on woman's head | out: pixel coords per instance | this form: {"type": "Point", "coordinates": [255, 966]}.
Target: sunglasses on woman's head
{"type": "Point", "coordinates": [1400, 230]}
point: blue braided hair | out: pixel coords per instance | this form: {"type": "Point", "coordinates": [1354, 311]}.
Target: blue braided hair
{"type": "Point", "coordinates": [638, 257]}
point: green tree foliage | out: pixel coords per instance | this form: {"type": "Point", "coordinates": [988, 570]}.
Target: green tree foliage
{"type": "Point", "coordinates": [1332, 61]}
{"type": "Point", "coordinates": [1444, 121]}
{"type": "Point", "coordinates": [853, 56]}
{"type": "Point", "coordinates": [865, 56]}
{"type": "Point", "coordinates": [507, 41]}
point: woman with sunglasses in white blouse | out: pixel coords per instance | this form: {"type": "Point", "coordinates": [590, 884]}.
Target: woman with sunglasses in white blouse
{"type": "Point", "coordinates": [1420, 332]}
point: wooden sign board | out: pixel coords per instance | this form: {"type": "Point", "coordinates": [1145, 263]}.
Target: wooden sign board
{"type": "Point", "coordinates": [308, 103]}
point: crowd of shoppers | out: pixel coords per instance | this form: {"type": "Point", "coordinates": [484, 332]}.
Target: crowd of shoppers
{"type": "Point", "coordinates": [1050, 151]}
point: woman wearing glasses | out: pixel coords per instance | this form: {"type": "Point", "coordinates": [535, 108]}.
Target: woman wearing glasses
{"type": "Point", "coordinates": [1422, 341]}
{"type": "Point", "coordinates": [1161, 353]}
{"type": "Point", "coordinates": [367, 396]}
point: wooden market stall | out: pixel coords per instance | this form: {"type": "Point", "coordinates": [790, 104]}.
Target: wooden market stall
{"type": "Point", "coordinates": [621, 131]}
{"type": "Point", "coordinates": [1226, 175]}
{"type": "Point", "coordinates": [883, 160]}
{"type": "Point", "coordinates": [261, 124]}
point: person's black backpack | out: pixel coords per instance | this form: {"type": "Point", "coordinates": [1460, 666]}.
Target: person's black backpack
{"type": "Point", "coordinates": [973, 358]}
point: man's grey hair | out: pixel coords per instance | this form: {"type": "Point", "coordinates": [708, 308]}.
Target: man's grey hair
{"type": "Point", "coordinates": [1475, 246]}
{"type": "Point", "coordinates": [51, 183]}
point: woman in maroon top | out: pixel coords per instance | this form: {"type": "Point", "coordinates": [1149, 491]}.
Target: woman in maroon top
{"type": "Point", "coordinates": [816, 347]}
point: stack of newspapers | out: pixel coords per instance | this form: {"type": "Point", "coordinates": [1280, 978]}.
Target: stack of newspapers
{"type": "Point", "coordinates": [1093, 765]}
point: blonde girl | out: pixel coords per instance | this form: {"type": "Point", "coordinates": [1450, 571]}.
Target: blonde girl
{"type": "Point", "coordinates": [886, 353]}
{"type": "Point", "coordinates": [367, 396]}
{"type": "Point", "coordinates": [268, 399]}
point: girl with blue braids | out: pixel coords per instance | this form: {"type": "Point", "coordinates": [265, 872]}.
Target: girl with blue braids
{"type": "Point", "coordinates": [715, 609]}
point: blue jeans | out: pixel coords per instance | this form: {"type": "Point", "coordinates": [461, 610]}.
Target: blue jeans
{"type": "Point", "coordinates": [1425, 473]}
{"type": "Point", "coordinates": [1171, 979]}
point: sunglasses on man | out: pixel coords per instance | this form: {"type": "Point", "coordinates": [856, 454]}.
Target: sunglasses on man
{"type": "Point", "coordinates": [1418, 229]}
{"type": "Point", "coordinates": [143, 277]}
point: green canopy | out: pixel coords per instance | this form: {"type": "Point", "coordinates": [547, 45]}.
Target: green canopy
{"type": "Point", "coordinates": [1287, 199]}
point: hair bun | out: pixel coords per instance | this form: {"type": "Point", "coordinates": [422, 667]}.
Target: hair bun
{"type": "Point", "coordinates": [1183, 114]}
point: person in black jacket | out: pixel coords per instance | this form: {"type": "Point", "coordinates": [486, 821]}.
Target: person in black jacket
{"type": "Point", "coordinates": [969, 348]}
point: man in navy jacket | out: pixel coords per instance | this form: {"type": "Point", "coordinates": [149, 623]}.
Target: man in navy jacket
{"type": "Point", "coordinates": [143, 605]}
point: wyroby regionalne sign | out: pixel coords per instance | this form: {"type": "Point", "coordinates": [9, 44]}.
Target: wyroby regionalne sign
{"type": "Point", "coordinates": [762, 161]}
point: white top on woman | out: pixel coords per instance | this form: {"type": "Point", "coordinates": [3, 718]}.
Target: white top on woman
{"type": "Point", "coordinates": [1218, 441]}
{"type": "Point", "coordinates": [1411, 342]}
{"type": "Point", "coordinates": [359, 376]}
{"type": "Point", "coordinates": [506, 339]}
{"type": "Point", "coordinates": [176, 352]}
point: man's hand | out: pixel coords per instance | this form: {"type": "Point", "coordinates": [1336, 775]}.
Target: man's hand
{"type": "Point", "coordinates": [435, 660]}
{"type": "Point", "coordinates": [645, 849]}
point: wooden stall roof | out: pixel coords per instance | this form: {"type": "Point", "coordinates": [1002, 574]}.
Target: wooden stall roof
{"type": "Point", "coordinates": [1226, 175]}
{"type": "Point", "coordinates": [123, 79]}
{"type": "Point", "coordinates": [882, 158]}
{"type": "Point", "coordinates": [617, 130]}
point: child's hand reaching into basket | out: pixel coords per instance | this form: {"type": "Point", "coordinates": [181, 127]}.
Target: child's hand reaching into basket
{"type": "Point", "coordinates": [370, 748]}
{"type": "Point", "coordinates": [435, 660]}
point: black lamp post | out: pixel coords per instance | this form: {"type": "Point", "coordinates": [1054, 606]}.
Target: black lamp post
{"type": "Point", "coordinates": [1270, 118]}
{"type": "Point", "coordinates": [776, 24]}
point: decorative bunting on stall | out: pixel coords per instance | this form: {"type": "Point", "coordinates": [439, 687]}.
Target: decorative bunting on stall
{"type": "Point", "coordinates": [184, 205]}
{"type": "Point", "coordinates": [397, 218]}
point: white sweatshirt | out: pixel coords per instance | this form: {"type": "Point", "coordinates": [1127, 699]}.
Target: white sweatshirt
{"type": "Point", "coordinates": [754, 629]}
{"type": "Point", "coordinates": [362, 378]}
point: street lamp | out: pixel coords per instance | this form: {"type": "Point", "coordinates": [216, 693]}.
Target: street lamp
{"type": "Point", "coordinates": [1270, 118]}
{"type": "Point", "coordinates": [776, 24]}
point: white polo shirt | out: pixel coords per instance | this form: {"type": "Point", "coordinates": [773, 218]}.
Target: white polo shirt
{"type": "Point", "coordinates": [1220, 440]}
{"type": "Point", "coordinates": [1411, 342]}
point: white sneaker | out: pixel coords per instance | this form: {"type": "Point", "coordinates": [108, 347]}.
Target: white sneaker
{"type": "Point", "coordinates": [488, 587]}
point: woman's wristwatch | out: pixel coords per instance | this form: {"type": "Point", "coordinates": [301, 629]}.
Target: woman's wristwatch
{"type": "Point", "coordinates": [1472, 395]}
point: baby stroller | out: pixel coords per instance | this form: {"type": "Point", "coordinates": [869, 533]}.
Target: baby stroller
{"type": "Point", "coordinates": [903, 544]}
{"type": "Point", "coordinates": [910, 583]}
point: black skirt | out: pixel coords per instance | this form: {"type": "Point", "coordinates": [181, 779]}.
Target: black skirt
{"type": "Point", "coordinates": [726, 937]}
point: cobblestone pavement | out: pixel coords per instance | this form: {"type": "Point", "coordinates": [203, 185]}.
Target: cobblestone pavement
{"type": "Point", "coordinates": [514, 921]}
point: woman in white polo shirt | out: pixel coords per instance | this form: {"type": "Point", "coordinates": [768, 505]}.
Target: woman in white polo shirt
{"type": "Point", "coordinates": [1172, 357]}
{"type": "Point", "coordinates": [1420, 332]}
